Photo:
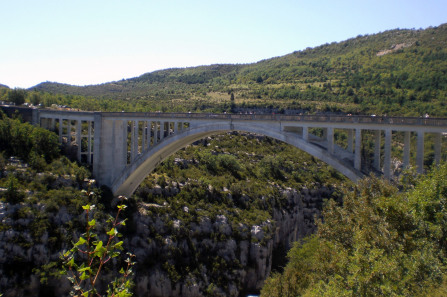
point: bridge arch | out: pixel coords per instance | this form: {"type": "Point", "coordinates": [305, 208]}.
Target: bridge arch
{"type": "Point", "coordinates": [134, 174]}
{"type": "Point", "coordinates": [102, 139]}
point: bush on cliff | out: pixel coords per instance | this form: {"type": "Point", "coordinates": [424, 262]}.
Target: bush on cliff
{"type": "Point", "coordinates": [381, 242]}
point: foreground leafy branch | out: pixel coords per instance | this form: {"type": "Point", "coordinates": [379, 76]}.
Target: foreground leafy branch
{"type": "Point", "coordinates": [85, 262]}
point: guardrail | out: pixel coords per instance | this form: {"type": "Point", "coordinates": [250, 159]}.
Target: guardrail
{"type": "Point", "coordinates": [420, 121]}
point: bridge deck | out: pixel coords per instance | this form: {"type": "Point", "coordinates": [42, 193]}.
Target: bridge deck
{"type": "Point", "coordinates": [354, 119]}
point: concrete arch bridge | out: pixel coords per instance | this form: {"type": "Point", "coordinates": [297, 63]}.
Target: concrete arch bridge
{"type": "Point", "coordinates": [124, 148]}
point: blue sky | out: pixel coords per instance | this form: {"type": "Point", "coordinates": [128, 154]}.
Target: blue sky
{"type": "Point", "coordinates": [96, 41]}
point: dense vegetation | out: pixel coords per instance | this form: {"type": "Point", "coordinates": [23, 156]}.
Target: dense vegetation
{"type": "Point", "coordinates": [397, 72]}
{"type": "Point", "coordinates": [381, 242]}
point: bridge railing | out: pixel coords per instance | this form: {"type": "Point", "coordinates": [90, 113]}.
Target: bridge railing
{"type": "Point", "coordinates": [424, 121]}
{"type": "Point", "coordinates": [420, 121]}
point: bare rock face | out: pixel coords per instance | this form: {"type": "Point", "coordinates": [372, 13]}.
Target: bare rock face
{"type": "Point", "coordinates": [249, 248]}
{"type": "Point", "coordinates": [199, 256]}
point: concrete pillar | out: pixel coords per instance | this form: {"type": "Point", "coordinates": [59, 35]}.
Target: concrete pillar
{"type": "Point", "coordinates": [387, 158]}
{"type": "Point", "coordinates": [61, 121]}
{"type": "Point", "coordinates": [69, 131]}
{"type": "Point", "coordinates": [407, 141]}
{"type": "Point", "coordinates": [357, 152]}
{"type": "Point", "coordinates": [143, 137]}
{"type": "Point", "coordinates": [438, 142]}
{"type": "Point", "coordinates": [89, 142]}
{"type": "Point", "coordinates": [377, 145]}
{"type": "Point", "coordinates": [149, 134]}
{"type": "Point", "coordinates": [306, 133]}
{"type": "Point", "coordinates": [119, 146]}
{"type": "Point", "coordinates": [350, 146]}
{"type": "Point", "coordinates": [162, 130]}
{"type": "Point", "coordinates": [78, 138]}
{"type": "Point", "coordinates": [155, 132]}
{"type": "Point", "coordinates": [35, 117]}
{"type": "Point", "coordinates": [420, 152]}
{"type": "Point", "coordinates": [330, 140]}
{"type": "Point", "coordinates": [97, 156]}
{"type": "Point", "coordinates": [110, 149]}
{"type": "Point", "coordinates": [324, 133]}
{"type": "Point", "coordinates": [134, 141]}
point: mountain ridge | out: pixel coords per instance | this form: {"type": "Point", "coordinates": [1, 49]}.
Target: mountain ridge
{"type": "Point", "coordinates": [300, 53]}
{"type": "Point", "coordinates": [397, 72]}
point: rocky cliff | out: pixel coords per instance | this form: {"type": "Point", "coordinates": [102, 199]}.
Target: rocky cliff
{"type": "Point", "coordinates": [190, 252]}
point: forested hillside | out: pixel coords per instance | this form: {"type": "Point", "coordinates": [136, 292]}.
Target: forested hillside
{"type": "Point", "coordinates": [397, 72]}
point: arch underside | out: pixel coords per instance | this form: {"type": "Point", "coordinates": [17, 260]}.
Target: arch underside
{"type": "Point", "coordinates": [136, 172]}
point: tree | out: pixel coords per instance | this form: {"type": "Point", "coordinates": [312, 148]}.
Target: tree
{"type": "Point", "coordinates": [379, 243]}
{"type": "Point", "coordinates": [35, 98]}
{"type": "Point", "coordinates": [232, 104]}
{"type": "Point", "coordinates": [17, 96]}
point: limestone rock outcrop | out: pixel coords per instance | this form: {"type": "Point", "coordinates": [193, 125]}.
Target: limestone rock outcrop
{"type": "Point", "coordinates": [224, 257]}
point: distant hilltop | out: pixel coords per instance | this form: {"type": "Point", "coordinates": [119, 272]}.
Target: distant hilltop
{"type": "Point", "coordinates": [396, 72]}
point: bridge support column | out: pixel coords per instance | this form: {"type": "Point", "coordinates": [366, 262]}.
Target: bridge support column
{"type": "Point", "coordinates": [306, 133]}
{"type": "Point", "coordinates": [387, 158]}
{"type": "Point", "coordinates": [350, 140]}
{"type": "Point", "coordinates": [147, 134]}
{"type": "Point", "coordinates": [61, 123]}
{"type": "Point", "coordinates": [162, 130]}
{"type": "Point", "coordinates": [69, 132]}
{"type": "Point", "coordinates": [357, 152]}
{"type": "Point", "coordinates": [143, 137]}
{"type": "Point", "coordinates": [378, 136]}
{"type": "Point", "coordinates": [155, 132]}
{"type": "Point", "coordinates": [134, 140]}
{"type": "Point", "coordinates": [407, 141]}
{"type": "Point", "coordinates": [78, 138]}
{"type": "Point", "coordinates": [330, 140]}
{"type": "Point", "coordinates": [420, 152]}
{"type": "Point", "coordinates": [110, 149]}
{"type": "Point", "coordinates": [438, 142]}
{"type": "Point", "coordinates": [89, 142]}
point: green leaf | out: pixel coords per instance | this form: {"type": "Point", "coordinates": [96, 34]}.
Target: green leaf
{"type": "Point", "coordinates": [100, 250]}
{"type": "Point", "coordinates": [112, 232]}
{"type": "Point", "coordinates": [84, 276]}
{"type": "Point", "coordinates": [92, 223]}
{"type": "Point", "coordinates": [118, 245]}
{"type": "Point", "coordinates": [81, 241]}
{"type": "Point", "coordinates": [83, 269]}
{"type": "Point", "coordinates": [86, 207]}
{"type": "Point", "coordinates": [98, 243]}
{"type": "Point", "coordinates": [115, 254]}
{"type": "Point", "coordinates": [71, 262]}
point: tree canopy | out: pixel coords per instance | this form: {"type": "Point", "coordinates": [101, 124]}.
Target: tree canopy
{"type": "Point", "coordinates": [380, 242]}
